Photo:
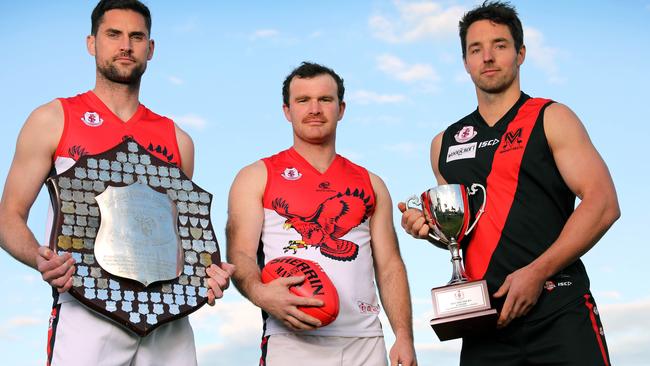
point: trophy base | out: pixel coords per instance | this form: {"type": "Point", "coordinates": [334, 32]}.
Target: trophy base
{"type": "Point", "coordinates": [463, 325]}
{"type": "Point", "coordinates": [462, 310]}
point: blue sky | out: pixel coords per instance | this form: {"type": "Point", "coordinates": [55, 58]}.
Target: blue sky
{"type": "Point", "coordinates": [218, 69]}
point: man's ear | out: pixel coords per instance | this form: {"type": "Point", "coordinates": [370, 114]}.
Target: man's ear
{"type": "Point", "coordinates": [90, 45]}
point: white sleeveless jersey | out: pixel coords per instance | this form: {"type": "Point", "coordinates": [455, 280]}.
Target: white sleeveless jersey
{"type": "Point", "coordinates": [324, 217]}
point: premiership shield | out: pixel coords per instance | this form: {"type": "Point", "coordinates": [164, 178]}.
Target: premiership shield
{"type": "Point", "coordinates": [139, 230]}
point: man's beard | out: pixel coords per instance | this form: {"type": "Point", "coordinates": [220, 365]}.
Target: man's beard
{"type": "Point", "coordinates": [497, 87]}
{"type": "Point", "coordinates": [112, 73]}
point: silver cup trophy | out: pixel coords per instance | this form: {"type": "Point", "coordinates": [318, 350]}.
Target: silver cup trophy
{"type": "Point", "coordinates": [462, 307]}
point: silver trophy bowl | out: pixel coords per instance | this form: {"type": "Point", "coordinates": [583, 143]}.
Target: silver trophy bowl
{"type": "Point", "coordinates": [446, 210]}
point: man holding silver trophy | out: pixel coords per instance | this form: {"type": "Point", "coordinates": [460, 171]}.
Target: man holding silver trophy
{"type": "Point", "coordinates": [534, 157]}
{"type": "Point", "coordinates": [66, 136]}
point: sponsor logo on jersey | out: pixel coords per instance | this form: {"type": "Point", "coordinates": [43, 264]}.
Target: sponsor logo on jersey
{"type": "Point", "coordinates": [464, 151]}
{"type": "Point", "coordinates": [551, 285]}
{"type": "Point", "coordinates": [487, 143]}
{"type": "Point", "coordinates": [324, 186]}
{"type": "Point", "coordinates": [291, 173]}
{"type": "Point", "coordinates": [365, 308]}
{"type": "Point", "coordinates": [512, 141]}
{"type": "Point", "coordinates": [92, 119]}
{"type": "Point", "coordinates": [465, 134]}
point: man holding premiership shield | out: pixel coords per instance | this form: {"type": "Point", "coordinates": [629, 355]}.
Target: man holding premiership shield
{"type": "Point", "coordinates": [534, 157]}
{"type": "Point", "coordinates": [57, 134]}
{"type": "Point", "coordinates": [310, 203]}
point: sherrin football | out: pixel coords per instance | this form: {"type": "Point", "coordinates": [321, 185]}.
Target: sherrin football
{"type": "Point", "coordinates": [317, 284]}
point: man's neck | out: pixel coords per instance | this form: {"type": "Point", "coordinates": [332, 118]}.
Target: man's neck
{"type": "Point", "coordinates": [318, 156]}
{"type": "Point", "coordinates": [121, 99]}
{"type": "Point", "coordinates": [493, 107]}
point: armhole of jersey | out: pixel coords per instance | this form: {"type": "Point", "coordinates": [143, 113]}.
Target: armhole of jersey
{"type": "Point", "coordinates": [267, 184]}
{"type": "Point", "coordinates": [440, 154]}
{"type": "Point", "coordinates": [368, 181]}
{"type": "Point", "coordinates": [540, 119]}
{"type": "Point", "coordinates": [66, 126]}
{"type": "Point", "coordinates": [176, 146]}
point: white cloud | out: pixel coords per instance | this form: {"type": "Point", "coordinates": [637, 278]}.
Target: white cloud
{"type": "Point", "coordinates": [398, 69]}
{"type": "Point", "coordinates": [416, 21]}
{"type": "Point", "coordinates": [370, 97]}
{"type": "Point", "coordinates": [609, 295]}
{"type": "Point", "coordinates": [190, 120]}
{"type": "Point", "coordinates": [626, 329]}
{"type": "Point", "coordinates": [175, 80]}
{"type": "Point", "coordinates": [188, 26]}
{"type": "Point", "coordinates": [462, 77]}
{"type": "Point", "coordinates": [264, 33]}
{"type": "Point", "coordinates": [406, 148]}
{"type": "Point", "coordinates": [234, 322]}
{"type": "Point", "coordinates": [542, 56]}
{"type": "Point", "coordinates": [10, 328]}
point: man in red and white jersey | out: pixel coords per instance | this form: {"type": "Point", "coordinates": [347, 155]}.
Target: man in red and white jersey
{"type": "Point", "coordinates": [309, 202]}
{"type": "Point", "coordinates": [534, 157]}
{"type": "Point", "coordinates": [53, 137]}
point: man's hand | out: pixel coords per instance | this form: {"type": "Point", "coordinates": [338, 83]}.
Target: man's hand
{"type": "Point", "coordinates": [219, 280]}
{"type": "Point", "coordinates": [55, 269]}
{"type": "Point", "coordinates": [402, 353]}
{"type": "Point", "coordinates": [522, 289]}
{"type": "Point", "coordinates": [413, 222]}
{"type": "Point", "coordinates": [276, 299]}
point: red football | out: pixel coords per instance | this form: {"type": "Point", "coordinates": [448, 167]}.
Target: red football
{"type": "Point", "coordinates": [317, 284]}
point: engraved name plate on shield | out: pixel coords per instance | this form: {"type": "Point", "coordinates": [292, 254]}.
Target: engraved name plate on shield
{"type": "Point", "coordinates": [140, 232]}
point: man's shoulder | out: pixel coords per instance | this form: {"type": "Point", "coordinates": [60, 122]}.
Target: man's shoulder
{"type": "Point", "coordinates": [48, 113]}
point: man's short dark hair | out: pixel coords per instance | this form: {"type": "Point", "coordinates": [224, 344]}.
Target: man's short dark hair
{"type": "Point", "coordinates": [499, 12]}
{"type": "Point", "coordinates": [105, 5]}
{"type": "Point", "coordinates": [308, 70]}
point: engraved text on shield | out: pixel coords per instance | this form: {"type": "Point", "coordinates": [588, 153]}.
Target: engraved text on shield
{"type": "Point", "coordinates": [138, 237]}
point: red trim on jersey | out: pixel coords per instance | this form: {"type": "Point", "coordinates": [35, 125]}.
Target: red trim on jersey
{"type": "Point", "coordinates": [596, 328]}
{"type": "Point", "coordinates": [51, 333]}
{"type": "Point", "coordinates": [264, 347]}
{"type": "Point", "coordinates": [501, 187]}
{"type": "Point", "coordinates": [90, 127]}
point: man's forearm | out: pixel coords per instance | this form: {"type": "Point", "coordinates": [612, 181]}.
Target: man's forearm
{"type": "Point", "coordinates": [17, 240]}
{"type": "Point", "coordinates": [396, 299]}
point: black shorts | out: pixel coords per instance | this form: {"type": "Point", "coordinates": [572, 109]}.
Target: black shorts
{"type": "Point", "coordinates": [572, 336]}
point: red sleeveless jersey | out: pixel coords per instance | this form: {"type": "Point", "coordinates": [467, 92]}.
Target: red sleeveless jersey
{"type": "Point", "coordinates": [91, 128]}
{"type": "Point", "coordinates": [324, 217]}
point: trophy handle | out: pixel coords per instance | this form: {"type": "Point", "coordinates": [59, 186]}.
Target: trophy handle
{"type": "Point", "coordinates": [415, 202]}
{"type": "Point", "coordinates": [472, 190]}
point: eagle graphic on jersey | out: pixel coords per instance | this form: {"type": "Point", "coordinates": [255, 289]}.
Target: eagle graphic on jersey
{"type": "Point", "coordinates": [331, 220]}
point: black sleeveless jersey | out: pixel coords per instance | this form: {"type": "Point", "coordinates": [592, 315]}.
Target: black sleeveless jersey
{"type": "Point", "coordinates": [528, 202]}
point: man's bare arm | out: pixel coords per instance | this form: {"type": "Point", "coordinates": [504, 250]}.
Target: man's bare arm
{"type": "Point", "coordinates": [586, 174]}
{"type": "Point", "coordinates": [243, 230]}
{"type": "Point", "coordinates": [35, 148]}
{"type": "Point", "coordinates": [391, 276]}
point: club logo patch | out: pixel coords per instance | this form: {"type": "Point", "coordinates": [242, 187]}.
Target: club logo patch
{"type": "Point", "coordinates": [464, 151]}
{"type": "Point", "coordinates": [365, 308]}
{"type": "Point", "coordinates": [291, 174]}
{"type": "Point", "coordinates": [465, 134]}
{"type": "Point", "coordinates": [512, 141]}
{"type": "Point", "coordinates": [92, 119]}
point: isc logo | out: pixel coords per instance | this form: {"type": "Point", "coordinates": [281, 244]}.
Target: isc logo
{"type": "Point", "coordinates": [488, 143]}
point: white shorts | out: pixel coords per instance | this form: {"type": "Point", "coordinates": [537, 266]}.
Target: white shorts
{"type": "Point", "coordinates": [292, 348]}
{"type": "Point", "coordinates": [80, 337]}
